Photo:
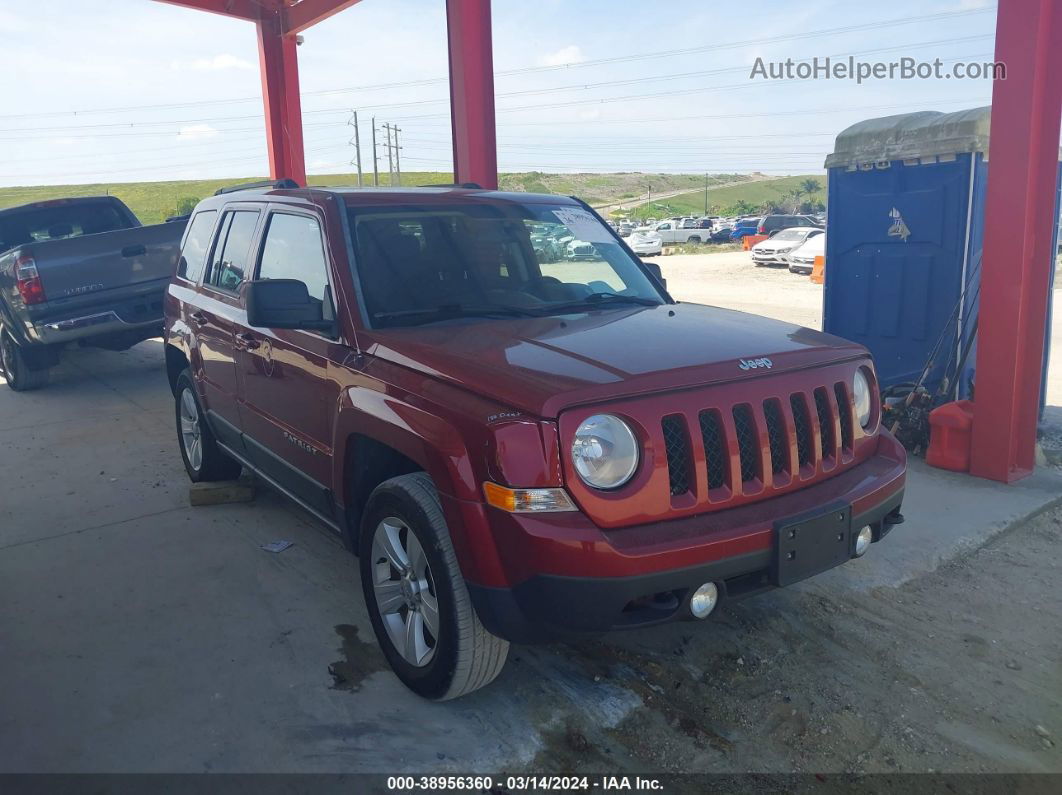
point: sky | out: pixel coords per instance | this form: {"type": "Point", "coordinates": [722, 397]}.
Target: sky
{"type": "Point", "coordinates": [134, 90]}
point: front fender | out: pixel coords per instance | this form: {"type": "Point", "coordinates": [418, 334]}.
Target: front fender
{"type": "Point", "coordinates": [439, 448]}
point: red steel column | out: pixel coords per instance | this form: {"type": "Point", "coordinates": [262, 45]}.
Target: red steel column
{"type": "Point", "coordinates": [472, 92]}
{"type": "Point", "coordinates": [280, 93]}
{"type": "Point", "coordinates": [1019, 216]}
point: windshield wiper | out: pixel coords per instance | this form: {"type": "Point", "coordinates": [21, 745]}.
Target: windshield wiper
{"type": "Point", "coordinates": [449, 311]}
{"type": "Point", "coordinates": [603, 299]}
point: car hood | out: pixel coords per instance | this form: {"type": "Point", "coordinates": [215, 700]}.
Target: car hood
{"type": "Point", "coordinates": [543, 365]}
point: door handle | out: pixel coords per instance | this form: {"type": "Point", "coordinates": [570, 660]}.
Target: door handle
{"type": "Point", "coordinates": [134, 250]}
{"type": "Point", "coordinates": [247, 342]}
{"type": "Point", "coordinates": [198, 317]}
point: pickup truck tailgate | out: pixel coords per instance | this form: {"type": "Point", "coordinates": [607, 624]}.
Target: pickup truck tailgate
{"type": "Point", "coordinates": [93, 264]}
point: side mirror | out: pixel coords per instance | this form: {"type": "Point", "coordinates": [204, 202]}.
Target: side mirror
{"type": "Point", "coordinates": [654, 269]}
{"type": "Point", "coordinates": [284, 303]}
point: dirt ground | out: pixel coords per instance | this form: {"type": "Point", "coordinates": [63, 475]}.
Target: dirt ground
{"type": "Point", "coordinates": [960, 671]}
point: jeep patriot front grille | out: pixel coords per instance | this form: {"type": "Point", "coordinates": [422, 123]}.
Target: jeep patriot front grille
{"type": "Point", "coordinates": [753, 447]}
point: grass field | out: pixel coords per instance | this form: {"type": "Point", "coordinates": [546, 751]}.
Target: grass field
{"type": "Point", "coordinates": [154, 201]}
{"type": "Point", "coordinates": [719, 199]}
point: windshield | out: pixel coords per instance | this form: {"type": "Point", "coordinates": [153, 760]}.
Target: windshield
{"type": "Point", "coordinates": [428, 264]}
{"type": "Point", "coordinates": [790, 234]}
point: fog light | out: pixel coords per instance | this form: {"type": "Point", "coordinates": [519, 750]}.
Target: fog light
{"type": "Point", "coordinates": [704, 600]}
{"type": "Point", "coordinates": [863, 539]}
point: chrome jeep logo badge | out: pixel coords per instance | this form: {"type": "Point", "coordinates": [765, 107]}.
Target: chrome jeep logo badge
{"type": "Point", "coordinates": [752, 364]}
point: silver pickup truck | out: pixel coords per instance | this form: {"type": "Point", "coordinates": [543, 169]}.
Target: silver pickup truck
{"type": "Point", "coordinates": [78, 270]}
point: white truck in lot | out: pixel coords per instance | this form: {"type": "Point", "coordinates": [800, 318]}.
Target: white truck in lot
{"type": "Point", "coordinates": [670, 233]}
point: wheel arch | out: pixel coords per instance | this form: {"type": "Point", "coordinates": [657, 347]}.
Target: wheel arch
{"type": "Point", "coordinates": [379, 437]}
{"type": "Point", "coordinates": [176, 363]}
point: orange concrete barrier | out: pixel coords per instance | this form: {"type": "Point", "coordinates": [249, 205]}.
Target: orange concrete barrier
{"type": "Point", "coordinates": [748, 241]}
{"type": "Point", "coordinates": [818, 270]}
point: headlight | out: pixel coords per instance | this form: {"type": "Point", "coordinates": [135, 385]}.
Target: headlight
{"type": "Point", "coordinates": [783, 250]}
{"type": "Point", "coordinates": [605, 452]}
{"type": "Point", "coordinates": [861, 394]}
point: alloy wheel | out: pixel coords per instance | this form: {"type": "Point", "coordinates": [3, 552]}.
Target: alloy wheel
{"type": "Point", "coordinates": [191, 433]}
{"type": "Point", "coordinates": [7, 356]}
{"type": "Point", "coordinates": [405, 591]}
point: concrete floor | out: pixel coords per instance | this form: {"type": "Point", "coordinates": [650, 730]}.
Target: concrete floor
{"type": "Point", "coordinates": [139, 634]}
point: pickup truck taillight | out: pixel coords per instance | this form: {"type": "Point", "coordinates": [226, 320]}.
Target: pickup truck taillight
{"type": "Point", "coordinates": [28, 281]}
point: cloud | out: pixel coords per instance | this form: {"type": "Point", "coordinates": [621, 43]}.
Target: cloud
{"type": "Point", "coordinates": [214, 64]}
{"type": "Point", "coordinates": [191, 131]}
{"type": "Point", "coordinates": [563, 56]}
{"type": "Point", "coordinates": [9, 23]}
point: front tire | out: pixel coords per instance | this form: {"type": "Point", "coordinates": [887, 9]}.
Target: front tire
{"type": "Point", "coordinates": [14, 362]}
{"type": "Point", "coordinates": [416, 596]}
{"type": "Point", "coordinates": [203, 459]}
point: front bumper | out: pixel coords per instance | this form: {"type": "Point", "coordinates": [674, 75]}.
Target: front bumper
{"type": "Point", "coordinates": [768, 259]}
{"type": "Point", "coordinates": [570, 578]}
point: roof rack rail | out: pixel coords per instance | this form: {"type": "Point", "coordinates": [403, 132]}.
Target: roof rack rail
{"type": "Point", "coordinates": [276, 184]}
{"type": "Point", "coordinates": [466, 185]}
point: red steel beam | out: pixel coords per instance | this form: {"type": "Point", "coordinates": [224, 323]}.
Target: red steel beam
{"type": "Point", "coordinates": [280, 93]}
{"type": "Point", "coordinates": [472, 92]}
{"type": "Point", "coordinates": [299, 16]}
{"type": "Point", "coordinates": [1019, 217]}
{"type": "Point", "coordinates": [240, 9]}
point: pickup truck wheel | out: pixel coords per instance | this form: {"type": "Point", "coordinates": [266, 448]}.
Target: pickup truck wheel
{"type": "Point", "coordinates": [202, 457]}
{"type": "Point", "coordinates": [20, 377]}
{"type": "Point", "coordinates": [416, 597]}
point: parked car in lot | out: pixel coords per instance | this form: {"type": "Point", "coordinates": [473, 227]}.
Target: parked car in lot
{"type": "Point", "coordinates": [770, 224]}
{"type": "Point", "coordinates": [775, 250]}
{"type": "Point", "coordinates": [646, 243]}
{"type": "Point", "coordinates": [671, 232]}
{"type": "Point", "coordinates": [744, 227]}
{"type": "Point", "coordinates": [516, 451]}
{"type": "Point", "coordinates": [78, 270]}
{"type": "Point", "coordinates": [802, 258]}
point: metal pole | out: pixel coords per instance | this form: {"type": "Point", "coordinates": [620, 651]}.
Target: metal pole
{"type": "Point", "coordinates": [357, 146]}
{"type": "Point", "coordinates": [649, 201]}
{"type": "Point", "coordinates": [398, 165]}
{"type": "Point", "coordinates": [472, 92]}
{"type": "Point", "coordinates": [390, 160]}
{"type": "Point", "coordinates": [706, 194]}
{"type": "Point", "coordinates": [375, 157]}
{"type": "Point", "coordinates": [1016, 265]}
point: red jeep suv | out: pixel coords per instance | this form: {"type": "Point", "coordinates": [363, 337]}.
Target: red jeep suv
{"type": "Point", "coordinates": [518, 447]}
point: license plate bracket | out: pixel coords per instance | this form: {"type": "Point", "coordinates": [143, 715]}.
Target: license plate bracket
{"type": "Point", "coordinates": [812, 543]}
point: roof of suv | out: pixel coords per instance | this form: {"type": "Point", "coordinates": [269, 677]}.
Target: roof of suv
{"type": "Point", "coordinates": [353, 196]}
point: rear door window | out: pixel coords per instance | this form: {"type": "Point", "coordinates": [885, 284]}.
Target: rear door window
{"type": "Point", "coordinates": [231, 254]}
{"type": "Point", "coordinates": [196, 245]}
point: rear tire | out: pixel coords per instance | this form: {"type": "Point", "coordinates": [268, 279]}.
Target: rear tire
{"type": "Point", "coordinates": [203, 459]}
{"type": "Point", "coordinates": [15, 365]}
{"type": "Point", "coordinates": [416, 596]}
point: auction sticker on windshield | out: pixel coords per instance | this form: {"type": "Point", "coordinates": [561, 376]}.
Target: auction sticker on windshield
{"type": "Point", "coordinates": [583, 225]}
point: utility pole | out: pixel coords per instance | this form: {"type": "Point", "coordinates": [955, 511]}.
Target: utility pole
{"type": "Point", "coordinates": [356, 140]}
{"type": "Point", "coordinates": [649, 200]}
{"type": "Point", "coordinates": [706, 194]}
{"type": "Point", "coordinates": [390, 160]}
{"type": "Point", "coordinates": [398, 166]}
{"type": "Point", "coordinates": [375, 157]}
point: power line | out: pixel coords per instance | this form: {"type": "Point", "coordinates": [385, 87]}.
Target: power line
{"type": "Point", "coordinates": [895, 22]}
{"type": "Point", "coordinates": [526, 92]}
